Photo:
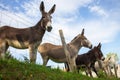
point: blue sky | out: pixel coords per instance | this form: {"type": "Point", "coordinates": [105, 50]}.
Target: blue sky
{"type": "Point", "coordinates": [100, 18]}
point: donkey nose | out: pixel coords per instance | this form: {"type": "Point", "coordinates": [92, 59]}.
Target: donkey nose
{"type": "Point", "coordinates": [91, 47]}
{"type": "Point", "coordinates": [49, 28]}
{"type": "Point", "coordinates": [103, 58]}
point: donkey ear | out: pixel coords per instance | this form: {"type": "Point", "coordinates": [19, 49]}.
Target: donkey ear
{"type": "Point", "coordinates": [82, 32]}
{"type": "Point", "coordinates": [109, 58]}
{"type": "Point", "coordinates": [42, 8]}
{"type": "Point", "coordinates": [51, 11]}
{"type": "Point", "coordinates": [99, 45]}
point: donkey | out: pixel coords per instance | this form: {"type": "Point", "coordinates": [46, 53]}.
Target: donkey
{"type": "Point", "coordinates": [113, 65]}
{"type": "Point", "coordinates": [104, 65]}
{"type": "Point", "coordinates": [107, 65]}
{"type": "Point", "coordinates": [56, 52]}
{"type": "Point", "coordinates": [26, 37]}
{"type": "Point", "coordinates": [88, 59]}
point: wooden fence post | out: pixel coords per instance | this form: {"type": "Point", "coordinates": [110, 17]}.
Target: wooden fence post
{"type": "Point", "coordinates": [67, 52]}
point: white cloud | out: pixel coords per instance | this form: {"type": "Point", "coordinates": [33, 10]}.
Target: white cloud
{"type": "Point", "coordinates": [98, 10]}
{"type": "Point", "coordinates": [100, 31]}
{"type": "Point", "coordinates": [32, 8]}
{"type": "Point", "coordinates": [68, 6]}
{"type": "Point", "coordinates": [63, 7]}
{"type": "Point", "coordinates": [18, 20]}
{"type": "Point", "coordinates": [95, 30]}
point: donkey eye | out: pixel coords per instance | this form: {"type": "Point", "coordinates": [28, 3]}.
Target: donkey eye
{"type": "Point", "coordinates": [43, 17]}
{"type": "Point", "coordinates": [85, 38]}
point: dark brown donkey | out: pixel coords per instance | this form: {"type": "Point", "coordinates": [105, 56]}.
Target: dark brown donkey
{"type": "Point", "coordinates": [27, 37]}
{"type": "Point", "coordinates": [56, 52]}
{"type": "Point", "coordinates": [88, 59]}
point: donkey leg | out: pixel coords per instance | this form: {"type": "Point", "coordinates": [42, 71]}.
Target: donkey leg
{"type": "Point", "coordinates": [95, 71]}
{"type": "Point", "coordinates": [105, 71]}
{"type": "Point", "coordinates": [3, 48]}
{"type": "Point", "coordinates": [33, 53]}
{"type": "Point", "coordinates": [109, 70]}
{"type": "Point", "coordinates": [67, 67]}
{"type": "Point", "coordinates": [45, 60]}
{"type": "Point", "coordinates": [89, 70]}
{"type": "Point", "coordinates": [2, 54]}
{"type": "Point", "coordinates": [74, 64]}
{"type": "Point", "coordinates": [115, 70]}
{"type": "Point", "coordinates": [86, 72]}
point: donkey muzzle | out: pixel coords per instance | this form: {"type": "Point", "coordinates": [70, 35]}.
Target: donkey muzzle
{"type": "Point", "coordinates": [49, 28]}
{"type": "Point", "coordinates": [103, 58]}
{"type": "Point", "coordinates": [90, 47]}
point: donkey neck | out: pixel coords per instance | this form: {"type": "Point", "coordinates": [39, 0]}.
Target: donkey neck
{"type": "Point", "coordinates": [39, 28]}
{"type": "Point", "coordinates": [77, 44]}
{"type": "Point", "coordinates": [91, 55]}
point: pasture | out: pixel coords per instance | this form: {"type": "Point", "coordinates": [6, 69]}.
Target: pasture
{"type": "Point", "coordinates": [13, 69]}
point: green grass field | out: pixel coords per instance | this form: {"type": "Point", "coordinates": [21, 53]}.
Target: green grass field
{"type": "Point", "coordinates": [13, 69]}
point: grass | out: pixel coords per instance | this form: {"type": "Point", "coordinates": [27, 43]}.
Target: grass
{"type": "Point", "coordinates": [12, 69]}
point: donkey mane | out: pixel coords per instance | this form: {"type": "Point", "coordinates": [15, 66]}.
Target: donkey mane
{"type": "Point", "coordinates": [91, 54]}
{"type": "Point", "coordinates": [90, 51]}
{"type": "Point", "coordinates": [74, 38]}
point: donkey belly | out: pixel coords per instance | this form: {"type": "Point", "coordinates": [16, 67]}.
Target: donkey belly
{"type": "Point", "coordinates": [59, 60]}
{"type": "Point", "coordinates": [57, 57]}
{"type": "Point", "coordinates": [17, 44]}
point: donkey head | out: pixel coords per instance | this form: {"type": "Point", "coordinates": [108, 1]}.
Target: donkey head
{"type": "Point", "coordinates": [84, 41]}
{"type": "Point", "coordinates": [98, 52]}
{"type": "Point", "coordinates": [46, 17]}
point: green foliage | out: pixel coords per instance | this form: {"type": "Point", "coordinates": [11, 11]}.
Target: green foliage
{"type": "Point", "coordinates": [115, 54]}
{"type": "Point", "coordinates": [11, 69]}
{"type": "Point", "coordinates": [102, 74]}
{"type": "Point", "coordinates": [8, 55]}
{"type": "Point", "coordinates": [26, 60]}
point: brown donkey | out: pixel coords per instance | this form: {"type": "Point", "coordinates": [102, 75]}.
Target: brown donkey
{"type": "Point", "coordinates": [88, 59]}
{"type": "Point", "coordinates": [27, 37]}
{"type": "Point", "coordinates": [56, 52]}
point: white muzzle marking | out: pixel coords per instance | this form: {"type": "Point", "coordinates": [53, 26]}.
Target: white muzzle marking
{"type": "Point", "coordinates": [89, 43]}
{"type": "Point", "coordinates": [48, 24]}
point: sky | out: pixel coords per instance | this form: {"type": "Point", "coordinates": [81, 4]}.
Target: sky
{"type": "Point", "coordinates": [99, 18]}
